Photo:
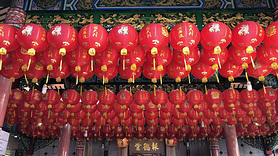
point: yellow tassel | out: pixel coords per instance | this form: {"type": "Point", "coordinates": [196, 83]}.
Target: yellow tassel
{"type": "Point", "coordinates": [130, 91]}
{"type": "Point", "coordinates": [206, 90]}
{"type": "Point", "coordinates": [105, 89]}
{"type": "Point", "coordinates": [92, 65]}
{"type": "Point", "coordinates": [219, 62]}
{"type": "Point", "coordinates": [123, 62]}
{"type": "Point", "coordinates": [76, 81]}
{"type": "Point", "coordinates": [31, 114]}
{"type": "Point", "coordinates": [1, 62]}
{"type": "Point", "coordinates": [154, 64]}
{"type": "Point", "coordinates": [103, 79]}
{"type": "Point", "coordinates": [246, 75]}
{"type": "Point", "coordinates": [160, 79]}
{"type": "Point", "coordinates": [58, 90]}
{"type": "Point", "coordinates": [253, 64]}
{"type": "Point", "coordinates": [180, 91]}
{"type": "Point", "coordinates": [25, 77]}
{"type": "Point", "coordinates": [11, 89]}
{"type": "Point", "coordinates": [216, 75]}
{"type": "Point", "coordinates": [61, 64]}
{"type": "Point", "coordinates": [189, 80]}
{"type": "Point", "coordinates": [185, 64]}
{"type": "Point", "coordinates": [233, 89]}
{"type": "Point", "coordinates": [81, 87]}
{"type": "Point", "coordinates": [47, 77]}
{"type": "Point", "coordinates": [29, 63]}
{"type": "Point", "coordinates": [264, 89]}
{"type": "Point", "coordinates": [33, 88]}
{"type": "Point", "coordinates": [154, 90]}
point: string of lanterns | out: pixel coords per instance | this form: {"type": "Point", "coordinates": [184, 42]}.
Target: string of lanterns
{"type": "Point", "coordinates": [151, 115]}
{"type": "Point", "coordinates": [33, 52]}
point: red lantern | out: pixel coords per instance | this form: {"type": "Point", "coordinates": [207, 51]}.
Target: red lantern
{"type": "Point", "coordinates": [33, 97]}
{"type": "Point", "coordinates": [135, 108]}
{"type": "Point", "coordinates": [74, 108]}
{"type": "Point", "coordinates": [16, 96]}
{"type": "Point", "coordinates": [71, 97]}
{"type": "Point", "coordinates": [230, 95]}
{"type": "Point", "coordinates": [51, 97]}
{"type": "Point", "coordinates": [195, 97]}
{"type": "Point", "coordinates": [216, 35]}
{"type": "Point", "coordinates": [259, 71]}
{"type": "Point", "coordinates": [89, 108]}
{"type": "Point", "coordinates": [247, 96]}
{"type": "Point", "coordinates": [125, 115]}
{"type": "Point", "coordinates": [160, 60]}
{"type": "Point", "coordinates": [151, 107]}
{"type": "Point", "coordinates": [130, 74]}
{"type": "Point", "coordinates": [107, 97]}
{"type": "Point", "coordinates": [214, 60]}
{"type": "Point", "coordinates": [268, 55]}
{"type": "Point", "coordinates": [123, 37]}
{"type": "Point", "coordinates": [177, 97]}
{"type": "Point", "coordinates": [33, 38]}
{"type": "Point", "coordinates": [230, 71]}
{"type": "Point", "coordinates": [218, 121]}
{"type": "Point", "coordinates": [267, 95]}
{"type": "Point", "coordinates": [83, 74]}
{"type": "Point", "coordinates": [134, 58]}
{"type": "Point", "coordinates": [93, 38]}
{"type": "Point", "coordinates": [202, 71]}
{"type": "Point", "coordinates": [89, 97]}
{"type": "Point", "coordinates": [104, 74]}
{"type": "Point", "coordinates": [36, 72]}
{"type": "Point", "coordinates": [271, 35]}
{"type": "Point", "coordinates": [153, 74]}
{"type": "Point", "coordinates": [107, 58]}
{"type": "Point", "coordinates": [78, 58]}
{"type": "Point", "coordinates": [184, 36]}
{"type": "Point", "coordinates": [213, 98]}
{"type": "Point", "coordinates": [50, 58]}
{"type": "Point", "coordinates": [186, 107]}
{"type": "Point", "coordinates": [62, 37]}
{"type": "Point", "coordinates": [167, 107]}
{"type": "Point", "coordinates": [159, 97]}
{"type": "Point", "coordinates": [22, 59]}
{"type": "Point", "coordinates": [59, 107]}
{"type": "Point", "coordinates": [118, 108]}
{"type": "Point", "coordinates": [142, 97]}
{"type": "Point", "coordinates": [153, 37]}
{"type": "Point", "coordinates": [241, 57]}
{"type": "Point", "coordinates": [59, 75]}
{"type": "Point", "coordinates": [247, 35]}
{"type": "Point", "coordinates": [186, 60]}
{"type": "Point", "coordinates": [177, 72]}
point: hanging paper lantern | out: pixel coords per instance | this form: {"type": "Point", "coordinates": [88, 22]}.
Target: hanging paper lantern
{"type": "Point", "coordinates": [125, 115]}
{"type": "Point", "coordinates": [271, 35]}
{"type": "Point", "coordinates": [160, 60]}
{"type": "Point", "coordinates": [71, 97]}
{"type": "Point", "coordinates": [59, 107]}
{"type": "Point", "coordinates": [209, 114]}
{"type": "Point", "coordinates": [51, 97]}
{"type": "Point", "coordinates": [123, 37]}
{"type": "Point", "coordinates": [186, 60]}
{"type": "Point", "coordinates": [230, 71]}
{"type": "Point", "coordinates": [167, 107]}
{"type": "Point", "coordinates": [195, 97]}
{"type": "Point", "coordinates": [153, 74]}
{"type": "Point", "coordinates": [135, 108]}
{"type": "Point", "coordinates": [177, 72]}
{"type": "Point", "coordinates": [216, 35]}
{"type": "Point", "coordinates": [118, 108]}
{"type": "Point", "coordinates": [124, 97]}
{"type": "Point", "coordinates": [89, 97]}
{"type": "Point", "coordinates": [36, 72]}
{"type": "Point", "coordinates": [22, 59]}
{"type": "Point", "coordinates": [213, 96]}
{"type": "Point", "coordinates": [185, 37]}
{"type": "Point", "coordinates": [129, 74]}
{"type": "Point", "coordinates": [214, 60]}
{"type": "Point", "coordinates": [186, 107]}
{"type": "Point", "coordinates": [33, 97]}
{"type": "Point", "coordinates": [241, 57]}
{"type": "Point", "coordinates": [230, 95]}
{"type": "Point", "coordinates": [247, 35]}
{"type": "Point", "coordinates": [74, 108]}
{"type": "Point", "coordinates": [93, 38]}
{"type": "Point", "coordinates": [134, 59]}
{"type": "Point", "coordinates": [59, 75]}
{"type": "Point", "coordinates": [106, 75]}
{"type": "Point", "coordinates": [268, 55]}
{"type": "Point", "coordinates": [259, 70]}
{"type": "Point", "coordinates": [33, 38]}
{"type": "Point", "coordinates": [62, 37]}
{"type": "Point", "coordinates": [177, 97]}
{"type": "Point", "coordinates": [107, 97]}
{"type": "Point", "coordinates": [202, 71]}
{"type": "Point", "coordinates": [153, 37]}
{"type": "Point", "coordinates": [159, 97]}
{"type": "Point", "coordinates": [50, 58]}
{"type": "Point", "coordinates": [11, 71]}
{"type": "Point", "coordinates": [89, 109]}
{"type": "Point", "coordinates": [267, 95]}
{"type": "Point", "coordinates": [16, 96]}
{"type": "Point", "coordinates": [247, 96]}
{"type": "Point", "coordinates": [107, 58]}
{"type": "Point", "coordinates": [78, 58]}
{"type": "Point", "coordinates": [82, 75]}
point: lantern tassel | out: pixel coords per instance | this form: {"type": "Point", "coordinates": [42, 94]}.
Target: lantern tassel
{"type": "Point", "coordinates": [47, 77]}
{"type": "Point", "coordinates": [105, 89]}
{"type": "Point", "coordinates": [253, 64]}
{"type": "Point", "coordinates": [219, 62]}
{"type": "Point", "coordinates": [29, 63]}
{"type": "Point", "coordinates": [154, 64]}
{"type": "Point", "coordinates": [189, 80]}
{"type": "Point", "coordinates": [58, 88]}
{"type": "Point", "coordinates": [81, 87]}
{"type": "Point", "coordinates": [1, 62]}
{"type": "Point", "coordinates": [11, 89]}
{"type": "Point", "coordinates": [92, 65]}
{"type": "Point", "coordinates": [76, 81]}
{"type": "Point", "coordinates": [124, 62]}
{"type": "Point", "coordinates": [246, 75]}
{"type": "Point", "coordinates": [31, 114]}
{"type": "Point", "coordinates": [25, 77]}
{"type": "Point", "coordinates": [216, 75]}
{"type": "Point", "coordinates": [154, 90]}
{"type": "Point", "coordinates": [130, 91]}
{"type": "Point", "coordinates": [264, 89]}
{"type": "Point", "coordinates": [180, 91]}
{"type": "Point", "coordinates": [160, 79]}
{"type": "Point", "coordinates": [206, 90]}
{"type": "Point", "coordinates": [33, 88]}
{"type": "Point", "coordinates": [61, 64]}
{"type": "Point", "coordinates": [233, 88]}
{"type": "Point", "coordinates": [185, 64]}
